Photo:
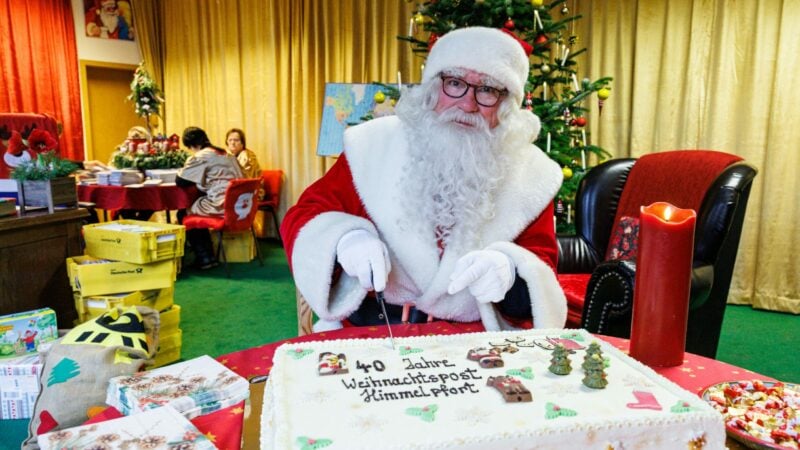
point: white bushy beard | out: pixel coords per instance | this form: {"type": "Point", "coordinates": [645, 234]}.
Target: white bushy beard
{"type": "Point", "coordinates": [451, 180]}
{"type": "Point", "coordinates": [109, 20]}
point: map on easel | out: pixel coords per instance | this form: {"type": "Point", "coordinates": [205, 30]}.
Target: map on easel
{"type": "Point", "coordinates": [345, 104]}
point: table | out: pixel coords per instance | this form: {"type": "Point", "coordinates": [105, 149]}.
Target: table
{"type": "Point", "coordinates": [33, 269]}
{"type": "Point", "coordinates": [154, 198]}
{"type": "Point", "coordinates": [695, 374]}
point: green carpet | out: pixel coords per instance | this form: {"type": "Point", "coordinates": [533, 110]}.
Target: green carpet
{"type": "Point", "coordinates": [256, 305]}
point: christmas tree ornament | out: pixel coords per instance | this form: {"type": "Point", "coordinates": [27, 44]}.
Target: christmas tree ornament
{"type": "Point", "coordinates": [537, 3]}
{"type": "Point", "coordinates": [567, 172]}
{"type": "Point", "coordinates": [565, 10]}
{"type": "Point", "coordinates": [419, 19]}
{"type": "Point", "coordinates": [602, 95]}
{"type": "Point", "coordinates": [580, 121]}
{"type": "Point", "coordinates": [560, 207]}
{"type": "Point", "coordinates": [544, 68]}
{"type": "Point", "coordinates": [540, 39]}
{"type": "Point", "coordinates": [432, 40]}
{"type": "Point", "coordinates": [529, 101]}
{"type": "Point", "coordinates": [379, 97]}
{"type": "Point", "coordinates": [509, 25]}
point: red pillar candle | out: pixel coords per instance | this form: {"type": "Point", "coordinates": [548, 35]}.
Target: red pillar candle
{"type": "Point", "coordinates": [661, 289]}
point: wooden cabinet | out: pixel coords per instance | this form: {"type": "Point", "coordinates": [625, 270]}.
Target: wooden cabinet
{"type": "Point", "coordinates": [33, 271]}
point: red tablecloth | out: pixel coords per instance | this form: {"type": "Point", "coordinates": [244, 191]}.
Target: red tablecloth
{"type": "Point", "coordinates": [155, 198]}
{"type": "Point", "coordinates": [695, 374]}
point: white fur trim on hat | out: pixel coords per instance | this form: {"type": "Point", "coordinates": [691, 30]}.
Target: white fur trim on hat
{"type": "Point", "coordinates": [485, 50]}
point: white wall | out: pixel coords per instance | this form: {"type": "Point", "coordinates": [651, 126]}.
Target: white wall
{"type": "Point", "coordinates": [98, 49]}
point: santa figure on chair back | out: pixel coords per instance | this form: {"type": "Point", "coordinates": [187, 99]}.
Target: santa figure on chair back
{"type": "Point", "coordinates": [446, 208]}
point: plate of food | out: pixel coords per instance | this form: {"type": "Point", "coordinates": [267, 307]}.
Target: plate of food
{"type": "Point", "coordinates": [758, 414]}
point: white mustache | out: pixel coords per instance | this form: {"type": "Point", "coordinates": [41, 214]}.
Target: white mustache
{"type": "Point", "coordinates": [456, 115]}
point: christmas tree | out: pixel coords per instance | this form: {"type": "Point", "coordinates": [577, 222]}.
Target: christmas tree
{"type": "Point", "coordinates": [559, 362]}
{"type": "Point", "coordinates": [553, 91]}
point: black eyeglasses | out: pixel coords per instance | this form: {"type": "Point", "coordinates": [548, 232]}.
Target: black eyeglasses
{"type": "Point", "coordinates": [487, 96]}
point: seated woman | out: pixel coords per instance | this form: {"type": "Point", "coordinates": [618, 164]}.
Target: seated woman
{"type": "Point", "coordinates": [237, 146]}
{"type": "Point", "coordinates": [211, 169]}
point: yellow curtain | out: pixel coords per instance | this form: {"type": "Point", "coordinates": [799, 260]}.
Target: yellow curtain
{"type": "Point", "coordinates": [262, 66]}
{"type": "Point", "coordinates": [147, 19]}
{"type": "Point", "coordinates": [713, 74]}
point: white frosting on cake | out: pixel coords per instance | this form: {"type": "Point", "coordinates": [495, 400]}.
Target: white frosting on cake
{"type": "Point", "coordinates": [447, 404]}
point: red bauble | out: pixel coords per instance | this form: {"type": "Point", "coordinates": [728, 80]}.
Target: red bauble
{"type": "Point", "coordinates": [509, 25]}
{"type": "Point", "coordinates": [540, 39]}
{"type": "Point", "coordinates": [432, 40]}
{"type": "Point", "coordinates": [580, 121]}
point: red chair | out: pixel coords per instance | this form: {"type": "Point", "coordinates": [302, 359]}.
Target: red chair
{"type": "Point", "coordinates": [240, 212]}
{"type": "Point", "coordinates": [272, 180]}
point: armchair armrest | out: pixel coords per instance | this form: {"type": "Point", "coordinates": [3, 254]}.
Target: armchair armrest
{"type": "Point", "coordinates": [575, 255]}
{"type": "Point", "coordinates": [702, 282]}
{"type": "Point", "coordinates": [608, 307]}
{"type": "Point", "coordinates": [609, 299]}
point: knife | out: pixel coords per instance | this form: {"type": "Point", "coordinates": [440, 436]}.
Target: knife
{"type": "Point", "coordinates": [382, 301]}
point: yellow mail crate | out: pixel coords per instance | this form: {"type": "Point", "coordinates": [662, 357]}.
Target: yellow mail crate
{"type": "Point", "coordinates": [95, 305]}
{"type": "Point", "coordinates": [239, 247]}
{"type": "Point", "coordinates": [92, 276]}
{"type": "Point", "coordinates": [134, 241]}
{"type": "Point", "coordinates": [170, 319]}
{"type": "Point", "coordinates": [169, 348]}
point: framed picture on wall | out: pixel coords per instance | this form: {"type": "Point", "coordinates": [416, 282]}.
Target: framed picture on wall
{"type": "Point", "coordinates": [108, 19]}
{"type": "Point", "coordinates": [347, 104]}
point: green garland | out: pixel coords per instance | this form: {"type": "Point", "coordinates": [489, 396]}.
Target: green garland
{"type": "Point", "coordinates": [160, 159]}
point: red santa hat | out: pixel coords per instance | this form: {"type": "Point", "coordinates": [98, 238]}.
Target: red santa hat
{"type": "Point", "coordinates": [485, 50]}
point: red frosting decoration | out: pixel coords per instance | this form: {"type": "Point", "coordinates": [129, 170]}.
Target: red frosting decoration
{"type": "Point", "coordinates": [47, 422]}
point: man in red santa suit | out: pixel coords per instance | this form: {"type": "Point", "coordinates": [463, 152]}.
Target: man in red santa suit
{"type": "Point", "coordinates": [446, 207]}
{"type": "Point", "coordinates": [104, 20]}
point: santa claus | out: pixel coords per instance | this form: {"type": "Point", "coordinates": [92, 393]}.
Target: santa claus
{"type": "Point", "coordinates": [446, 208]}
{"type": "Point", "coordinates": [104, 20]}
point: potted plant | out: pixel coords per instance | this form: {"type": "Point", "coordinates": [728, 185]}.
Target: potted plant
{"type": "Point", "coordinates": [46, 181]}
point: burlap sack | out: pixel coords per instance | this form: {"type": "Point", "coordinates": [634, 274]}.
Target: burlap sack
{"type": "Point", "coordinates": [78, 366]}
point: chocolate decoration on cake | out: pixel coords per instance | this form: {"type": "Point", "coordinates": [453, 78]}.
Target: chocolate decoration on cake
{"type": "Point", "coordinates": [486, 357]}
{"type": "Point", "coordinates": [512, 389]}
{"type": "Point", "coordinates": [332, 364]}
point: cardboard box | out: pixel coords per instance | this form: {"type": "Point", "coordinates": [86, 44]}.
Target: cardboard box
{"type": "Point", "coordinates": [25, 332]}
{"type": "Point", "coordinates": [134, 241]}
{"type": "Point", "coordinates": [95, 305]}
{"type": "Point", "coordinates": [19, 386]}
{"type": "Point", "coordinates": [92, 276]}
{"type": "Point", "coordinates": [239, 247]}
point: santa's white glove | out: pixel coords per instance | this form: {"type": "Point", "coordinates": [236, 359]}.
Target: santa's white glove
{"type": "Point", "coordinates": [488, 274]}
{"type": "Point", "coordinates": [364, 256]}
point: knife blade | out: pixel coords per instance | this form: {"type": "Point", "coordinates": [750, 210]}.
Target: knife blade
{"type": "Point", "coordinates": [382, 301]}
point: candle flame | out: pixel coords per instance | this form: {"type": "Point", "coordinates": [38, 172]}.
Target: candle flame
{"type": "Point", "coordinates": [667, 213]}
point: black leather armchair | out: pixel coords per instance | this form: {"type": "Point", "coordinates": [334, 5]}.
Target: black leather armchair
{"type": "Point", "coordinates": [608, 300]}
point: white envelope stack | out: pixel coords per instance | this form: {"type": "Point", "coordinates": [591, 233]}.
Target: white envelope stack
{"type": "Point", "coordinates": [194, 388]}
